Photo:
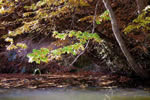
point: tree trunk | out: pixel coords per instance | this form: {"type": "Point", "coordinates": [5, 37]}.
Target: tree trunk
{"type": "Point", "coordinates": [137, 68]}
{"type": "Point", "coordinates": [141, 4]}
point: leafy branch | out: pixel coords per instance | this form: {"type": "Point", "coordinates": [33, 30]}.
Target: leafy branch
{"type": "Point", "coordinates": [140, 23]}
{"type": "Point", "coordinates": [45, 55]}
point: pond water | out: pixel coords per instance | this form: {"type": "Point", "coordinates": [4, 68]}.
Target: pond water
{"type": "Point", "coordinates": [75, 94]}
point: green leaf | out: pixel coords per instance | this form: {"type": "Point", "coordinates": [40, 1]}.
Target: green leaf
{"type": "Point", "coordinates": [44, 51]}
{"type": "Point", "coordinates": [37, 61]}
{"type": "Point", "coordinates": [44, 59]}
{"type": "Point", "coordinates": [30, 55]}
{"type": "Point", "coordinates": [98, 22]}
{"type": "Point", "coordinates": [74, 52]}
{"type": "Point", "coordinates": [34, 50]}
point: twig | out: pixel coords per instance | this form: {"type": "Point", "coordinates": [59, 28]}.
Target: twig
{"type": "Point", "coordinates": [93, 29]}
{"type": "Point", "coordinates": [73, 18]}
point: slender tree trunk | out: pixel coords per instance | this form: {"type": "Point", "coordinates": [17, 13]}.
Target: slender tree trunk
{"type": "Point", "coordinates": [141, 4]}
{"type": "Point", "coordinates": [137, 68]}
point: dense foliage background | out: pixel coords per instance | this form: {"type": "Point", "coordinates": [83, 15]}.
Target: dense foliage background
{"type": "Point", "coordinates": [71, 35]}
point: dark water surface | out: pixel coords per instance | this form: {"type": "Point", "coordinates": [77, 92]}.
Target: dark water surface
{"type": "Point", "coordinates": [75, 94]}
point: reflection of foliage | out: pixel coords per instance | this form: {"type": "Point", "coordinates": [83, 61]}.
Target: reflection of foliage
{"type": "Point", "coordinates": [45, 55]}
{"type": "Point", "coordinates": [140, 23]}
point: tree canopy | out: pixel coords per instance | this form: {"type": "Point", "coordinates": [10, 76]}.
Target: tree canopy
{"type": "Point", "coordinates": [74, 24]}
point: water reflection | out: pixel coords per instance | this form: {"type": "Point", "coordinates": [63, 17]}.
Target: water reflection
{"type": "Point", "coordinates": [75, 94]}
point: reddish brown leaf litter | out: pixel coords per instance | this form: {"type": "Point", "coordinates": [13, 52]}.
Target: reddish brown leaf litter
{"type": "Point", "coordinates": [62, 80]}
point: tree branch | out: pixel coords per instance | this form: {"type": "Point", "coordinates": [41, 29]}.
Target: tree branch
{"type": "Point", "coordinates": [93, 29]}
{"type": "Point", "coordinates": [136, 68]}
